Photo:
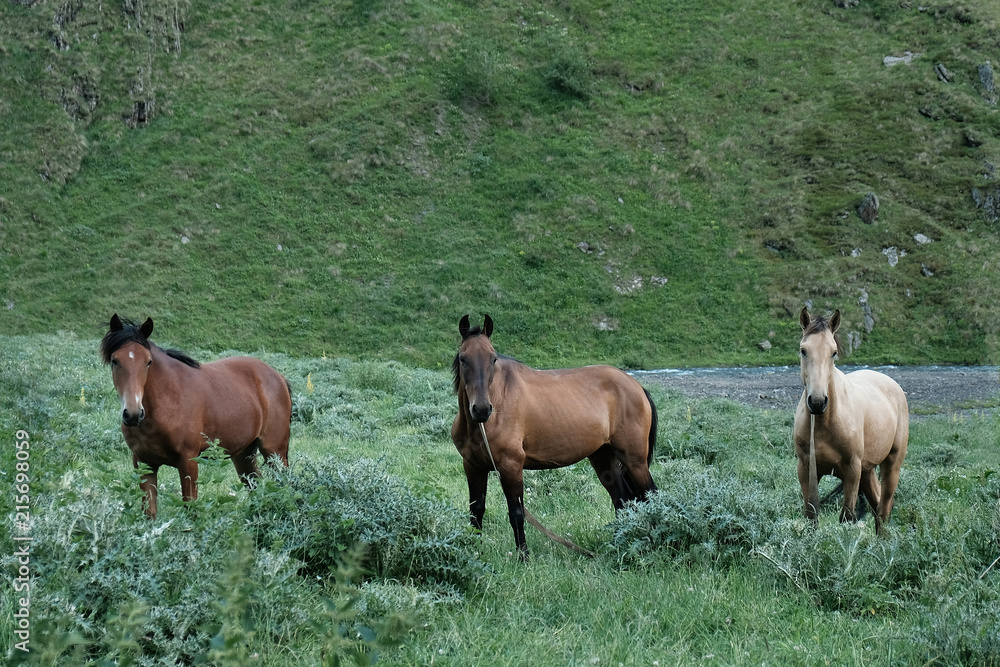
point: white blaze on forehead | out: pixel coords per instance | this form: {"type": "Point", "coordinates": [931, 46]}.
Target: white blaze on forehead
{"type": "Point", "coordinates": [131, 355]}
{"type": "Point", "coordinates": [138, 399]}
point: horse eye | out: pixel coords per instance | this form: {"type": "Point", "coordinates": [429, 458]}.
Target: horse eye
{"type": "Point", "coordinates": [834, 355]}
{"type": "Point", "coordinates": [802, 351]}
{"type": "Point", "coordinates": [149, 363]}
{"type": "Point", "coordinates": [114, 363]}
{"type": "Point", "coordinates": [494, 360]}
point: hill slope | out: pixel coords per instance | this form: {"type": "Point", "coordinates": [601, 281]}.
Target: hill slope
{"type": "Point", "coordinates": [644, 184]}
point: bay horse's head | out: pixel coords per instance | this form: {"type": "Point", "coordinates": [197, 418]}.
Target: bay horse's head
{"type": "Point", "coordinates": [819, 347]}
{"type": "Point", "coordinates": [474, 366]}
{"type": "Point", "coordinates": [126, 349]}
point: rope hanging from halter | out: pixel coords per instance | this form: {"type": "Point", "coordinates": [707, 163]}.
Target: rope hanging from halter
{"type": "Point", "coordinates": [813, 482]}
{"type": "Point", "coordinates": [528, 515]}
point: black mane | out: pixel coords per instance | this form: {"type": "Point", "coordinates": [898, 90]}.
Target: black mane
{"type": "Point", "coordinates": [130, 333]}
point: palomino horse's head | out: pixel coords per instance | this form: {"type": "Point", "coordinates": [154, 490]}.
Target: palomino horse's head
{"type": "Point", "coordinates": [474, 366]}
{"type": "Point", "coordinates": [126, 348]}
{"type": "Point", "coordinates": [818, 349]}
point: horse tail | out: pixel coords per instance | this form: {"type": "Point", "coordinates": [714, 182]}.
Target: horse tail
{"type": "Point", "coordinates": [652, 427]}
{"type": "Point", "coordinates": [288, 386]}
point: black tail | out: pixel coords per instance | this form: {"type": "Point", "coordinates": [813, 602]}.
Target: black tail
{"type": "Point", "coordinates": [652, 427]}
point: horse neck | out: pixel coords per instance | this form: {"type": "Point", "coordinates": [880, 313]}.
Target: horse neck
{"type": "Point", "coordinates": [836, 392]}
{"type": "Point", "coordinates": [162, 375]}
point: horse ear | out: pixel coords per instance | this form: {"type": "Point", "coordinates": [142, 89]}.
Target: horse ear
{"type": "Point", "coordinates": [463, 326]}
{"type": "Point", "coordinates": [147, 327]}
{"type": "Point", "coordinates": [835, 321]}
{"type": "Point", "coordinates": [804, 318]}
{"type": "Point", "coordinates": [488, 326]}
{"type": "Point", "coordinates": [116, 323]}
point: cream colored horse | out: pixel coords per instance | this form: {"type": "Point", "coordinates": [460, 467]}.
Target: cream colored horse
{"type": "Point", "coordinates": [861, 421]}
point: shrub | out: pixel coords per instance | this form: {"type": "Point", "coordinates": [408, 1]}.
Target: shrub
{"type": "Point", "coordinates": [482, 76]}
{"type": "Point", "coordinates": [314, 510]}
{"type": "Point", "coordinates": [697, 514]}
{"type": "Point", "coordinates": [119, 585]}
{"type": "Point", "coordinates": [569, 73]}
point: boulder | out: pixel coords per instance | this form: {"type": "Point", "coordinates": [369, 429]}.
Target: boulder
{"type": "Point", "coordinates": [869, 208]}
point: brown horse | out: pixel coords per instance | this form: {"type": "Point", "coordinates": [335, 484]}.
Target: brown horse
{"type": "Point", "coordinates": [173, 406]}
{"type": "Point", "coordinates": [861, 420]}
{"type": "Point", "coordinates": [546, 419]}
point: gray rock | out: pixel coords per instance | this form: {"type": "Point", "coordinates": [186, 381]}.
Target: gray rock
{"type": "Point", "coordinates": [867, 309]}
{"type": "Point", "coordinates": [989, 201]}
{"type": "Point", "coordinates": [893, 254]}
{"type": "Point", "coordinates": [869, 208]}
{"type": "Point", "coordinates": [905, 59]}
{"type": "Point", "coordinates": [764, 345]}
{"type": "Point", "coordinates": [986, 82]}
{"type": "Point", "coordinates": [944, 73]}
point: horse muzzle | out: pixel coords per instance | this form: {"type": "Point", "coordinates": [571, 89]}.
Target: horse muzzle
{"type": "Point", "coordinates": [480, 413]}
{"type": "Point", "coordinates": [817, 404]}
{"type": "Point", "coordinates": [133, 418]}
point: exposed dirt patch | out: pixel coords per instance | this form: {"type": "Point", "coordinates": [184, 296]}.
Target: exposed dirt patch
{"type": "Point", "coordinates": [929, 389]}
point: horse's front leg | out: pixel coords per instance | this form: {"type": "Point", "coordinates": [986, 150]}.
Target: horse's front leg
{"type": "Point", "coordinates": [852, 482]}
{"type": "Point", "coordinates": [512, 482]}
{"type": "Point", "coordinates": [188, 470]}
{"type": "Point", "coordinates": [147, 483]}
{"type": "Point", "coordinates": [810, 505]}
{"type": "Point", "coordinates": [477, 480]}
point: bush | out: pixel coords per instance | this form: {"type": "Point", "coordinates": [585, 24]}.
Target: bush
{"type": "Point", "coordinates": [314, 510]}
{"type": "Point", "coordinates": [118, 585]}
{"type": "Point", "coordinates": [569, 73]}
{"type": "Point", "coordinates": [482, 76]}
{"type": "Point", "coordinates": [696, 514]}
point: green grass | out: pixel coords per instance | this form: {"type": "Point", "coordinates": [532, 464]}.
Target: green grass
{"type": "Point", "coordinates": [418, 161]}
{"type": "Point", "coordinates": [718, 567]}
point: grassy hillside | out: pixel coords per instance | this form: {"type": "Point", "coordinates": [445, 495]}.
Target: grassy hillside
{"type": "Point", "coordinates": [350, 178]}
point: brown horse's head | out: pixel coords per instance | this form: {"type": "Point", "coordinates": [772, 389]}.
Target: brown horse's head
{"type": "Point", "coordinates": [818, 349]}
{"type": "Point", "coordinates": [126, 349]}
{"type": "Point", "coordinates": [474, 366]}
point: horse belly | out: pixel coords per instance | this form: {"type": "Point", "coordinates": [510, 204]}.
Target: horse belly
{"type": "Point", "coordinates": [564, 439]}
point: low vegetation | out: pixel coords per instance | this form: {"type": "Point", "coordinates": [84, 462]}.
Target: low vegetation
{"type": "Point", "coordinates": [360, 551]}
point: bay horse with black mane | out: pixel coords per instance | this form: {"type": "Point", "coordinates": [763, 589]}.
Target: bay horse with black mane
{"type": "Point", "coordinates": [846, 425]}
{"type": "Point", "coordinates": [173, 407]}
{"type": "Point", "coordinates": [538, 420]}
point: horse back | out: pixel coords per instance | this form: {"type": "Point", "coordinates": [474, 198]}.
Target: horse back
{"type": "Point", "coordinates": [589, 407]}
{"type": "Point", "coordinates": [242, 396]}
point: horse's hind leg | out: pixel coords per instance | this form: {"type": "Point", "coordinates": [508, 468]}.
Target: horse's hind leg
{"type": "Point", "coordinates": [890, 480]}
{"type": "Point", "coordinates": [609, 472]}
{"type": "Point", "coordinates": [872, 491]}
{"type": "Point", "coordinates": [245, 463]}
{"type": "Point", "coordinates": [274, 442]}
{"type": "Point", "coordinates": [636, 472]}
